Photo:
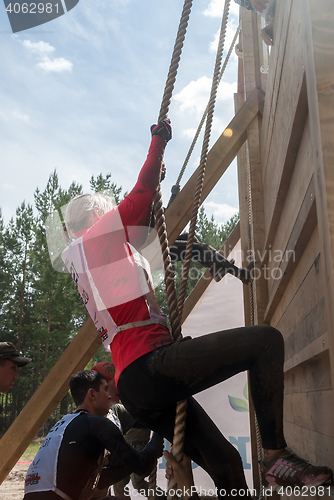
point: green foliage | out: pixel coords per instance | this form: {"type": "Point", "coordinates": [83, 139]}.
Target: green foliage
{"type": "Point", "coordinates": [104, 185]}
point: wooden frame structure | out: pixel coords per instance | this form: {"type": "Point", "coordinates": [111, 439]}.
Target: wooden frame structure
{"type": "Point", "coordinates": [285, 149]}
{"type": "Point", "coordinates": [286, 191]}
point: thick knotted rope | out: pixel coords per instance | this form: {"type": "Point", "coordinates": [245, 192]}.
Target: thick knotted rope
{"type": "Point", "coordinates": [204, 154]}
{"type": "Point", "coordinates": [161, 228]}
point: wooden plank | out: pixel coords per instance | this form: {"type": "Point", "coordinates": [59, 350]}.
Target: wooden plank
{"type": "Point", "coordinates": [289, 150]}
{"type": "Point", "coordinates": [206, 278]}
{"type": "Point", "coordinates": [307, 260]}
{"type": "Point", "coordinates": [298, 323]}
{"type": "Point", "coordinates": [277, 56]}
{"type": "Point", "coordinates": [312, 376]}
{"type": "Point", "coordinates": [303, 409]}
{"type": "Point", "coordinates": [318, 22]}
{"type": "Point", "coordinates": [286, 102]}
{"type": "Point", "coordinates": [47, 397]}
{"type": "Point", "coordinates": [312, 350]}
{"type": "Point", "coordinates": [219, 158]}
{"type": "Point", "coordinates": [299, 183]}
{"type": "Point", "coordinates": [314, 446]}
{"type": "Point", "coordinates": [311, 327]}
{"type": "Point", "coordinates": [300, 236]}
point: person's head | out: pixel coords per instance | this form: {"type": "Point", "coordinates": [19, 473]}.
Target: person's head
{"type": "Point", "coordinates": [10, 360]}
{"type": "Point", "coordinates": [108, 370]}
{"type": "Point", "coordinates": [84, 210]}
{"type": "Point", "coordinates": [89, 390]}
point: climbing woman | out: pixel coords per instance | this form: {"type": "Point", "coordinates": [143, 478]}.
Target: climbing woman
{"type": "Point", "coordinates": [153, 373]}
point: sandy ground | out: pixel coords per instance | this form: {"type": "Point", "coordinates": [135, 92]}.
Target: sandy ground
{"type": "Point", "coordinates": [13, 486]}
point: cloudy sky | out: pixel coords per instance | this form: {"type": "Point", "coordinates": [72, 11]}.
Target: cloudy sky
{"type": "Point", "coordinates": [79, 94]}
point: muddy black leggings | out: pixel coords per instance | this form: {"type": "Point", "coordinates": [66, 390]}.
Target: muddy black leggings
{"type": "Point", "coordinates": [150, 387]}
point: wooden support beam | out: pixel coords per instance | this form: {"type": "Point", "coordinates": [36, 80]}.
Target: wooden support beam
{"type": "Point", "coordinates": [47, 397]}
{"type": "Point", "coordinates": [206, 278]}
{"type": "Point", "coordinates": [318, 22]}
{"type": "Point", "coordinates": [252, 77]}
{"type": "Point", "coordinates": [219, 158]}
{"type": "Point", "coordinates": [251, 217]}
{"type": "Point", "coordinates": [301, 234]}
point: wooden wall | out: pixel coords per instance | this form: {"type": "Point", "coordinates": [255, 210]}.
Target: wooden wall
{"type": "Point", "coordinates": [295, 255]}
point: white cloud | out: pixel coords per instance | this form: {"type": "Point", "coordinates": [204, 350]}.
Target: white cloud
{"type": "Point", "coordinates": [221, 211]}
{"type": "Point", "coordinates": [216, 8]}
{"type": "Point", "coordinates": [42, 50]}
{"type": "Point", "coordinates": [195, 96]}
{"type": "Point", "coordinates": [189, 132]}
{"type": "Point", "coordinates": [56, 65]}
{"type": "Point", "coordinates": [230, 32]}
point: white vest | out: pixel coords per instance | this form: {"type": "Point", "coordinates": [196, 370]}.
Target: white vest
{"type": "Point", "coordinates": [126, 278]}
{"type": "Point", "coordinates": [42, 472]}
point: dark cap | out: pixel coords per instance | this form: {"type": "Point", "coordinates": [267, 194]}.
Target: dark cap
{"type": "Point", "coordinates": [8, 351]}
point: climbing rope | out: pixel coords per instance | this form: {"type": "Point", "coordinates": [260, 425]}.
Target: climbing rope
{"type": "Point", "coordinates": [158, 209]}
{"type": "Point", "coordinates": [180, 418]}
{"type": "Point", "coordinates": [174, 307]}
{"type": "Point", "coordinates": [198, 131]}
{"type": "Point", "coordinates": [204, 155]}
{"type": "Point", "coordinates": [251, 285]}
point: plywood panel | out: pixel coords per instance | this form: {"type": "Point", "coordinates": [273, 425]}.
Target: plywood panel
{"type": "Point", "coordinates": [314, 446]}
{"type": "Point", "coordinates": [303, 409]}
{"type": "Point", "coordinates": [277, 56]}
{"type": "Point", "coordinates": [300, 180]}
{"type": "Point", "coordinates": [307, 260]}
{"type": "Point", "coordinates": [312, 376]}
{"type": "Point", "coordinates": [289, 257]}
{"type": "Point", "coordinates": [310, 328]}
{"type": "Point", "coordinates": [287, 102]}
{"type": "Point", "coordinates": [299, 319]}
{"type": "Point", "coordinates": [318, 22]}
{"type": "Point", "coordinates": [290, 148]}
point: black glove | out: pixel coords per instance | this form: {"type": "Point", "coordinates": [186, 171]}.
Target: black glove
{"type": "Point", "coordinates": [163, 129]}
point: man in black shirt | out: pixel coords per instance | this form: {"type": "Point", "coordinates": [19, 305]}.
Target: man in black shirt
{"type": "Point", "coordinates": [73, 451]}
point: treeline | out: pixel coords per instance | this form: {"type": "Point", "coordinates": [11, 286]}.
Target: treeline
{"type": "Point", "coordinates": [40, 309]}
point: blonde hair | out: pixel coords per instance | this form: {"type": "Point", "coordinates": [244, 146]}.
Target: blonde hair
{"type": "Point", "coordinates": [80, 210]}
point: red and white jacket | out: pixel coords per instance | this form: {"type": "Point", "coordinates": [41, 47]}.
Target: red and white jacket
{"type": "Point", "coordinates": [110, 275]}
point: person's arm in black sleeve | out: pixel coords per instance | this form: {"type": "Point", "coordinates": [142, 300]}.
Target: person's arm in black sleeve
{"type": "Point", "coordinates": [110, 436]}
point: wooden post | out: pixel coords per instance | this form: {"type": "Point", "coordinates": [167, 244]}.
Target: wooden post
{"type": "Point", "coordinates": [250, 195]}
{"type": "Point", "coordinates": [252, 78]}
